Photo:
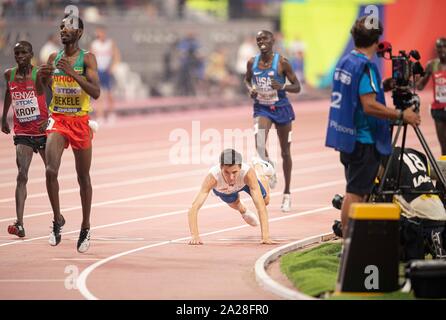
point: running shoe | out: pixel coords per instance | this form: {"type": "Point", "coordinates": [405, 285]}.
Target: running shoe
{"type": "Point", "coordinates": [272, 181]}
{"type": "Point", "coordinates": [268, 168]}
{"type": "Point", "coordinates": [286, 203]}
{"type": "Point", "coordinates": [55, 235]}
{"type": "Point", "coordinates": [16, 229]}
{"type": "Point", "coordinates": [250, 218]}
{"type": "Point", "coordinates": [84, 240]}
{"type": "Point", "coordinates": [94, 126]}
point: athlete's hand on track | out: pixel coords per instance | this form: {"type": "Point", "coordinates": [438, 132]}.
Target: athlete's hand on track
{"type": "Point", "coordinates": [5, 127]}
{"type": "Point", "coordinates": [195, 241]}
{"type": "Point", "coordinates": [65, 66]}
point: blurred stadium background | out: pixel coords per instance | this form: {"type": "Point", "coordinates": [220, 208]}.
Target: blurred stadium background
{"type": "Point", "coordinates": [173, 49]}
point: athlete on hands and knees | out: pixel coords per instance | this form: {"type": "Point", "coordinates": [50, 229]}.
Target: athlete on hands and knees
{"type": "Point", "coordinates": [25, 93]}
{"type": "Point", "coordinates": [227, 179]}
{"type": "Point", "coordinates": [74, 80]}
{"type": "Point", "coordinates": [436, 69]}
{"type": "Point", "coordinates": [266, 80]}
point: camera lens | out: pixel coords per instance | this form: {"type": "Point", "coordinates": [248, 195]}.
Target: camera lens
{"type": "Point", "coordinates": [337, 201]}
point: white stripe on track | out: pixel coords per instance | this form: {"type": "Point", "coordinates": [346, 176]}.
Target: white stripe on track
{"type": "Point", "coordinates": [176, 212]}
{"type": "Point", "coordinates": [82, 279]}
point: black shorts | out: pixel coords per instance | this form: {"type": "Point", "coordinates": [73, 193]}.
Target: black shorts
{"type": "Point", "coordinates": [438, 114]}
{"type": "Point", "coordinates": [361, 167]}
{"type": "Point", "coordinates": [37, 143]}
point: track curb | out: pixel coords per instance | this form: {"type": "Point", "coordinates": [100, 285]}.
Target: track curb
{"type": "Point", "coordinates": [269, 284]}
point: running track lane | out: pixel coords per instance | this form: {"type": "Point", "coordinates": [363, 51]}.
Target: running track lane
{"type": "Point", "coordinates": [140, 201]}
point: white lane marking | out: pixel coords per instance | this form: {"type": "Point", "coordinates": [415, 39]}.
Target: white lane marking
{"type": "Point", "coordinates": [196, 172]}
{"type": "Point", "coordinates": [30, 280]}
{"type": "Point", "coordinates": [129, 182]}
{"type": "Point", "coordinates": [82, 279]}
{"type": "Point", "coordinates": [75, 259]}
{"type": "Point", "coordinates": [161, 215]}
{"type": "Point", "coordinates": [104, 203]}
{"type": "Point", "coordinates": [188, 172]}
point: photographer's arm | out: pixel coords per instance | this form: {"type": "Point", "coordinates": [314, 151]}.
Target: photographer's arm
{"type": "Point", "coordinates": [422, 82]}
{"type": "Point", "coordinates": [376, 109]}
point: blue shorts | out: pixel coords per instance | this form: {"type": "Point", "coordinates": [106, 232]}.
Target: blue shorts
{"type": "Point", "coordinates": [279, 115]}
{"type": "Point", "coordinates": [230, 198]}
{"type": "Point", "coordinates": [105, 79]}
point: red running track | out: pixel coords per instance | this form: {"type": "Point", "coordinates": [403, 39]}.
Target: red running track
{"type": "Point", "coordinates": [139, 217]}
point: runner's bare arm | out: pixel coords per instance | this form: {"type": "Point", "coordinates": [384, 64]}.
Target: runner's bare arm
{"type": "Point", "coordinates": [289, 74]}
{"type": "Point", "coordinates": [46, 71]}
{"type": "Point", "coordinates": [6, 104]}
{"type": "Point", "coordinates": [208, 183]}
{"type": "Point", "coordinates": [91, 84]}
{"type": "Point", "coordinates": [256, 194]}
{"type": "Point", "coordinates": [116, 57]}
{"type": "Point", "coordinates": [422, 82]}
{"type": "Point", "coordinates": [248, 78]}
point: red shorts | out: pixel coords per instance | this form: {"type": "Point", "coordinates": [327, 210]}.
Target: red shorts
{"type": "Point", "coordinates": [74, 129]}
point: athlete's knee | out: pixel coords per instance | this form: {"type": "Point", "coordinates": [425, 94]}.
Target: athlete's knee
{"type": "Point", "coordinates": [84, 180]}
{"type": "Point", "coordinates": [286, 153]}
{"type": "Point", "coordinates": [22, 177]}
{"type": "Point", "coordinates": [266, 199]}
{"type": "Point", "coordinates": [51, 173]}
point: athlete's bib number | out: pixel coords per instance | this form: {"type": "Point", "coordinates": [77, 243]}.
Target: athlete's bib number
{"type": "Point", "coordinates": [26, 110]}
{"type": "Point", "coordinates": [440, 93]}
{"type": "Point", "coordinates": [50, 123]}
{"type": "Point", "coordinates": [267, 96]}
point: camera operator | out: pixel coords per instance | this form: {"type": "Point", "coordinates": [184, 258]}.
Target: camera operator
{"type": "Point", "coordinates": [436, 69]}
{"type": "Point", "coordinates": [359, 126]}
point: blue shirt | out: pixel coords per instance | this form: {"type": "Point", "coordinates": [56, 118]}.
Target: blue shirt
{"type": "Point", "coordinates": [367, 84]}
{"type": "Point", "coordinates": [345, 101]}
{"type": "Point", "coordinates": [261, 80]}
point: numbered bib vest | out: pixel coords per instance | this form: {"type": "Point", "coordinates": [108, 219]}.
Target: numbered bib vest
{"type": "Point", "coordinates": [439, 78]}
{"type": "Point", "coordinates": [261, 81]}
{"type": "Point", "coordinates": [341, 130]}
{"type": "Point", "coordinates": [68, 96]}
{"type": "Point", "coordinates": [29, 108]}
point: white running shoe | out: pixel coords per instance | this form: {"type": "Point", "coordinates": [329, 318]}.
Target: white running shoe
{"type": "Point", "coordinates": [272, 180]}
{"type": "Point", "coordinates": [94, 126]}
{"type": "Point", "coordinates": [286, 203]}
{"type": "Point", "coordinates": [250, 218]}
{"type": "Point", "coordinates": [83, 243]}
{"type": "Point", "coordinates": [269, 170]}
